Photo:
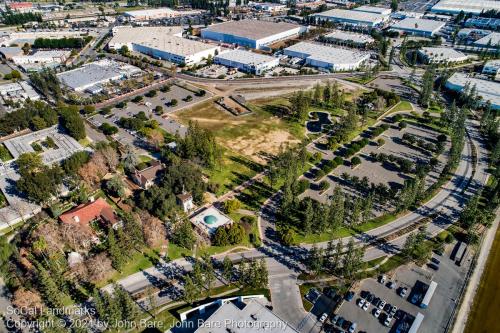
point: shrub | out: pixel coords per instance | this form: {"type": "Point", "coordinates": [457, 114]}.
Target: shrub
{"type": "Point", "coordinates": [324, 185]}
{"type": "Point", "coordinates": [380, 142]}
{"type": "Point", "coordinates": [302, 186]}
{"type": "Point", "coordinates": [355, 161]}
{"type": "Point", "coordinates": [137, 99]}
{"type": "Point", "coordinates": [338, 160]}
{"type": "Point", "coordinates": [319, 174]}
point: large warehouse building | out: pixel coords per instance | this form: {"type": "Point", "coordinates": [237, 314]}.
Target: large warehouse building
{"type": "Point", "coordinates": [247, 61]}
{"type": "Point", "coordinates": [155, 14]}
{"type": "Point", "coordinates": [418, 27]}
{"type": "Point", "coordinates": [373, 9]}
{"type": "Point", "coordinates": [351, 17]}
{"type": "Point", "coordinates": [469, 6]}
{"type": "Point", "coordinates": [331, 58]}
{"type": "Point", "coordinates": [441, 55]}
{"type": "Point", "coordinates": [349, 38]}
{"type": "Point", "coordinates": [162, 43]}
{"type": "Point", "coordinates": [90, 77]}
{"type": "Point", "coordinates": [492, 40]}
{"type": "Point", "coordinates": [252, 33]}
{"type": "Point", "coordinates": [488, 90]}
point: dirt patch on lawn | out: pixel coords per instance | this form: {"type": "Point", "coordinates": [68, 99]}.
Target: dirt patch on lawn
{"type": "Point", "coordinates": [257, 144]}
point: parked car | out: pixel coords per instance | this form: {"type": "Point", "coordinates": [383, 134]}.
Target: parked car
{"type": "Point", "coordinates": [435, 260]}
{"type": "Point", "coordinates": [376, 302]}
{"type": "Point", "coordinates": [366, 306]}
{"type": "Point", "coordinates": [349, 296]}
{"type": "Point", "coordinates": [382, 304]}
{"type": "Point", "coordinates": [391, 285]}
{"type": "Point", "coordinates": [382, 279]}
{"type": "Point", "coordinates": [370, 298]}
{"type": "Point", "coordinates": [433, 266]}
{"type": "Point", "coordinates": [361, 302]}
{"type": "Point", "coordinates": [393, 310]}
{"type": "Point", "coordinates": [403, 292]}
{"type": "Point", "coordinates": [377, 312]}
{"type": "Point", "coordinates": [334, 319]}
{"type": "Point", "coordinates": [387, 321]}
{"type": "Point", "coordinates": [323, 318]}
{"type": "Point", "coordinates": [352, 328]}
{"type": "Point", "coordinates": [388, 307]}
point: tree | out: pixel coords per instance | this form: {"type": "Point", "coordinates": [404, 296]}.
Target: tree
{"type": "Point", "coordinates": [183, 234]}
{"type": "Point", "coordinates": [114, 250]}
{"type": "Point", "coordinates": [72, 122]}
{"type": "Point", "coordinates": [232, 205]}
{"type": "Point", "coordinates": [316, 260]}
{"type": "Point", "coordinates": [227, 269]}
{"type": "Point", "coordinates": [355, 161]}
{"type": "Point", "coordinates": [116, 186]}
{"type": "Point", "coordinates": [394, 5]}
{"type": "Point", "coordinates": [124, 51]}
{"type": "Point", "coordinates": [191, 290]}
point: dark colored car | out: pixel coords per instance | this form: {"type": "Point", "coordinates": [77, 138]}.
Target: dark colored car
{"type": "Point", "coordinates": [349, 296]}
{"type": "Point", "coordinates": [340, 322]}
{"type": "Point", "coordinates": [370, 298]}
{"type": "Point", "coordinates": [433, 266]}
{"type": "Point", "coordinates": [435, 260]}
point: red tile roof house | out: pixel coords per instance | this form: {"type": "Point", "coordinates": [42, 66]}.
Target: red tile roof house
{"type": "Point", "coordinates": [96, 210]}
{"type": "Point", "coordinates": [146, 177]}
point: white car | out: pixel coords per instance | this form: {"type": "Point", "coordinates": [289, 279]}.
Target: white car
{"type": "Point", "coordinates": [388, 320]}
{"type": "Point", "coordinates": [382, 279]}
{"type": "Point", "coordinates": [323, 317]}
{"type": "Point", "coordinates": [361, 302]}
{"type": "Point", "coordinates": [382, 304]}
{"type": "Point", "coordinates": [377, 313]}
{"type": "Point", "coordinates": [366, 306]}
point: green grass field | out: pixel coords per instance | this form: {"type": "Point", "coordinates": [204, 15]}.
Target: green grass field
{"type": "Point", "coordinates": [482, 318]}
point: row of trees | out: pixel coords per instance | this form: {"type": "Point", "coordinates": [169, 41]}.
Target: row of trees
{"type": "Point", "coordinates": [47, 83]}
{"type": "Point", "coordinates": [334, 259]}
{"type": "Point", "coordinates": [15, 18]}
{"type": "Point", "coordinates": [61, 43]}
{"type": "Point", "coordinates": [35, 115]}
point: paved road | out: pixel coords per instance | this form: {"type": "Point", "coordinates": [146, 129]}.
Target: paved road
{"type": "Point", "coordinates": [285, 263]}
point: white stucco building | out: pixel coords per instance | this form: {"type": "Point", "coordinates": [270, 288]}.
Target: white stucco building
{"type": "Point", "coordinates": [247, 61]}
{"type": "Point", "coordinates": [164, 43]}
{"type": "Point", "coordinates": [328, 57]}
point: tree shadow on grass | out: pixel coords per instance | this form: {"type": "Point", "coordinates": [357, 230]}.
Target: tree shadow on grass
{"type": "Point", "coordinates": [248, 163]}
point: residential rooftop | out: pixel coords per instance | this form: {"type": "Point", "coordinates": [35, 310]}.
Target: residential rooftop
{"type": "Point", "coordinates": [252, 29]}
{"type": "Point", "coordinates": [245, 57]}
{"type": "Point", "coordinates": [416, 24]}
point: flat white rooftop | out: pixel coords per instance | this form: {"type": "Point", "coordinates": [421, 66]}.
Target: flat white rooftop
{"type": "Point", "coordinates": [175, 45]}
{"type": "Point", "coordinates": [252, 29]}
{"type": "Point", "coordinates": [374, 9]}
{"type": "Point", "coordinates": [467, 6]}
{"type": "Point", "coordinates": [350, 36]}
{"type": "Point", "coordinates": [246, 57]}
{"type": "Point", "coordinates": [333, 55]}
{"type": "Point", "coordinates": [65, 145]}
{"type": "Point", "coordinates": [96, 72]}
{"type": "Point", "coordinates": [127, 34]}
{"type": "Point", "coordinates": [443, 54]}
{"type": "Point", "coordinates": [488, 90]}
{"type": "Point", "coordinates": [352, 15]}
{"type": "Point", "coordinates": [493, 39]}
{"type": "Point", "coordinates": [416, 24]}
{"type": "Point", "coordinates": [248, 318]}
{"type": "Point", "coordinates": [151, 12]}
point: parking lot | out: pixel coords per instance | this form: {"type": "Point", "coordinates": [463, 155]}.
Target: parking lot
{"type": "Point", "coordinates": [383, 173]}
{"type": "Point", "coordinates": [449, 278]}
